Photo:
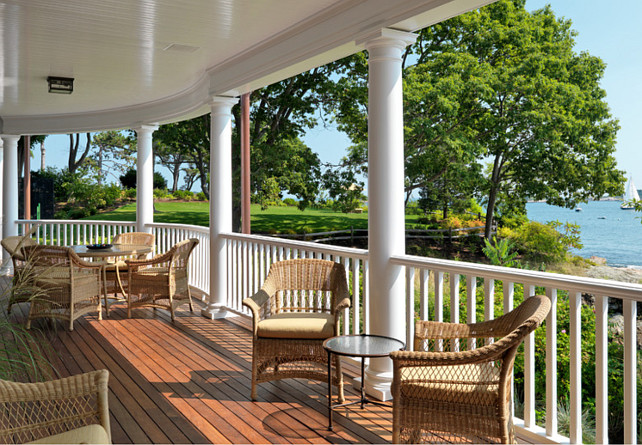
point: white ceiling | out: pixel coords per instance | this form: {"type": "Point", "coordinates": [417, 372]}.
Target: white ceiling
{"type": "Point", "coordinates": [127, 72]}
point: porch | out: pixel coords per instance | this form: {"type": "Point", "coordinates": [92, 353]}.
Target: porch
{"type": "Point", "coordinates": [189, 382]}
{"type": "Point", "coordinates": [205, 364]}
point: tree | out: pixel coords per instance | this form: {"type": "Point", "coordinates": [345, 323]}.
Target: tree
{"type": "Point", "coordinates": [190, 139]}
{"type": "Point", "coordinates": [74, 161]}
{"type": "Point", "coordinates": [115, 153]}
{"type": "Point", "coordinates": [171, 159]}
{"type": "Point", "coordinates": [504, 85]}
{"type": "Point", "coordinates": [545, 125]}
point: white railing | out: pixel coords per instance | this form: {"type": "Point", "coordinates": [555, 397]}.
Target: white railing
{"type": "Point", "coordinates": [448, 287]}
{"type": "Point", "coordinates": [199, 265]}
{"type": "Point", "coordinates": [250, 256]}
{"type": "Point", "coordinates": [426, 279]}
{"type": "Point", "coordinates": [78, 232]}
{"type": "Point", "coordinates": [68, 233]}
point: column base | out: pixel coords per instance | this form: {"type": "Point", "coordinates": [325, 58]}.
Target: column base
{"type": "Point", "coordinates": [377, 385]}
{"type": "Point", "coordinates": [214, 311]}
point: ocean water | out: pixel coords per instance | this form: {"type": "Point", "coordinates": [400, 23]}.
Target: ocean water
{"type": "Point", "coordinates": [606, 230]}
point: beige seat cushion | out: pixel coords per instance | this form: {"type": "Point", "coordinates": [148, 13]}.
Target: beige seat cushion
{"type": "Point", "coordinates": [94, 434]}
{"type": "Point", "coordinates": [315, 325]}
{"type": "Point", "coordinates": [471, 383]}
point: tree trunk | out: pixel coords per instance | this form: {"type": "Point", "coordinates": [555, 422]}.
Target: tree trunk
{"type": "Point", "coordinates": [492, 196]}
{"type": "Point", "coordinates": [74, 144]}
{"type": "Point", "coordinates": [100, 165]}
{"type": "Point", "coordinates": [175, 175]}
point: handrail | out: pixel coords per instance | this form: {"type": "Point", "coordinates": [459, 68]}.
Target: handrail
{"type": "Point", "coordinates": [617, 289]}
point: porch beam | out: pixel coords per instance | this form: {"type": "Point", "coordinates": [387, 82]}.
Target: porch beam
{"type": "Point", "coordinates": [220, 201]}
{"type": "Point", "coordinates": [386, 222]}
{"type": "Point", "coordinates": [144, 178]}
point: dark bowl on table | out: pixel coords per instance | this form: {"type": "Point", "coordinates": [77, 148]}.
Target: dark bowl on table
{"type": "Point", "coordinates": [98, 246]}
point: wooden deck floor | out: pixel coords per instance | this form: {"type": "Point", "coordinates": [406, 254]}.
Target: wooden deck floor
{"type": "Point", "coordinates": [189, 382]}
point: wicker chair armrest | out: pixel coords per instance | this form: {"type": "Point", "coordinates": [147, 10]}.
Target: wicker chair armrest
{"type": "Point", "coordinates": [158, 259]}
{"type": "Point", "coordinates": [256, 304]}
{"type": "Point", "coordinates": [344, 303]}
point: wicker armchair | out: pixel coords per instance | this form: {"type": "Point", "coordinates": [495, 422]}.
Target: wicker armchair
{"type": "Point", "coordinates": [162, 281]}
{"type": "Point", "coordinates": [70, 410]}
{"type": "Point", "coordinates": [116, 273]}
{"type": "Point", "coordinates": [13, 245]}
{"type": "Point", "coordinates": [68, 286]}
{"type": "Point", "coordinates": [297, 308]}
{"type": "Point", "coordinates": [449, 391]}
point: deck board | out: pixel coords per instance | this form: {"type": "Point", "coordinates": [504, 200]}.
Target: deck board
{"type": "Point", "coordinates": [189, 382]}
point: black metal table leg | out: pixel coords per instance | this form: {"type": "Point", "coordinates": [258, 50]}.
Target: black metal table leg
{"type": "Point", "coordinates": [363, 379]}
{"type": "Point", "coordinates": [330, 390]}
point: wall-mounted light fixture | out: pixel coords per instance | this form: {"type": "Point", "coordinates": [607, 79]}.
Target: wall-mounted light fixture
{"type": "Point", "coordinates": [60, 85]}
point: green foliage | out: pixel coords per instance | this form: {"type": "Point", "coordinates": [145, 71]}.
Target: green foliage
{"type": "Point", "coordinates": [290, 202]}
{"type": "Point", "coordinates": [130, 194]}
{"type": "Point", "coordinates": [497, 84]}
{"type": "Point", "coordinates": [159, 181]}
{"type": "Point", "coordinates": [161, 194]}
{"type": "Point", "coordinates": [24, 356]}
{"type": "Point", "coordinates": [499, 252]}
{"type": "Point", "coordinates": [200, 196]}
{"type": "Point", "coordinates": [270, 194]}
{"type": "Point", "coordinates": [184, 195]}
{"type": "Point", "coordinates": [128, 180]}
{"type": "Point", "coordinates": [543, 243]}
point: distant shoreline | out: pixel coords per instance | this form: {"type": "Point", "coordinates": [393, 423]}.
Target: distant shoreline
{"type": "Point", "coordinates": [607, 198]}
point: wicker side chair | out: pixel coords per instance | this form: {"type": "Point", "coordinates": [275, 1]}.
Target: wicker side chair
{"type": "Point", "coordinates": [70, 410]}
{"type": "Point", "coordinates": [162, 281]}
{"type": "Point", "coordinates": [13, 245]}
{"type": "Point", "coordinates": [69, 287]}
{"type": "Point", "coordinates": [456, 385]}
{"type": "Point", "coordinates": [297, 308]}
{"type": "Point", "coordinates": [116, 272]}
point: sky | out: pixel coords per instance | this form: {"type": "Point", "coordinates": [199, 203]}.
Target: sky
{"type": "Point", "coordinates": [609, 30]}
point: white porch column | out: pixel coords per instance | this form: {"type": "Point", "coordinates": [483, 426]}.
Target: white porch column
{"type": "Point", "coordinates": [386, 222]}
{"type": "Point", "coordinates": [220, 201]}
{"type": "Point", "coordinates": [10, 185]}
{"type": "Point", "coordinates": [144, 177]}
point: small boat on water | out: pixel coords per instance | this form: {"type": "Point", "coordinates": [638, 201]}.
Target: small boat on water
{"type": "Point", "coordinates": [578, 209]}
{"type": "Point", "coordinates": [630, 196]}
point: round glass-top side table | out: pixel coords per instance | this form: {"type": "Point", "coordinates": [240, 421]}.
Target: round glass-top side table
{"type": "Point", "coordinates": [364, 346]}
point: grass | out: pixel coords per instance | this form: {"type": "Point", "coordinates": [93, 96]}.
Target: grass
{"type": "Point", "coordinates": [279, 219]}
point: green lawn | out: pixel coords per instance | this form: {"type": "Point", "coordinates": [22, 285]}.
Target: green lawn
{"type": "Point", "coordinates": [275, 219]}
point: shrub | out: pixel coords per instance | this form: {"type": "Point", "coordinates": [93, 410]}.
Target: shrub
{"type": "Point", "coordinates": [130, 194]}
{"type": "Point", "coordinates": [201, 196]}
{"type": "Point", "coordinates": [161, 194]}
{"type": "Point", "coordinates": [185, 195]}
{"type": "Point", "coordinates": [128, 180]}
{"type": "Point", "coordinates": [499, 252]}
{"type": "Point", "coordinates": [543, 243]}
{"type": "Point", "coordinates": [290, 202]}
